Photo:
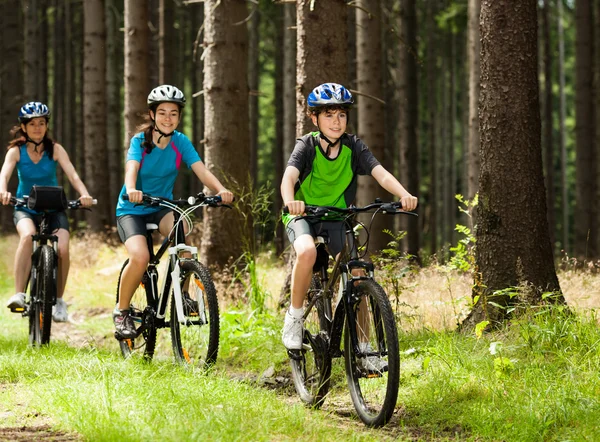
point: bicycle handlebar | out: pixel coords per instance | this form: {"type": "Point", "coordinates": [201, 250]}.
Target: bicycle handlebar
{"type": "Point", "coordinates": [211, 201]}
{"type": "Point", "coordinates": [391, 208]}
{"type": "Point", "coordinates": [71, 204]}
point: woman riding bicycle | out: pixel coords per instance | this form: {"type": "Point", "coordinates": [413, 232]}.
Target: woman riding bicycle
{"type": "Point", "coordinates": [35, 155]}
{"type": "Point", "coordinates": [153, 162]}
{"type": "Point", "coordinates": [322, 171]}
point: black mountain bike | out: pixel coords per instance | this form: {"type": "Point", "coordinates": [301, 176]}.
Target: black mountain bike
{"type": "Point", "coordinates": [44, 263]}
{"type": "Point", "coordinates": [187, 299]}
{"type": "Point", "coordinates": [363, 319]}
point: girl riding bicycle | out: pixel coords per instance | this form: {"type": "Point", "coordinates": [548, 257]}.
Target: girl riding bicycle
{"type": "Point", "coordinates": [35, 155]}
{"type": "Point", "coordinates": [322, 170]}
{"type": "Point", "coordinates": [153, 161]}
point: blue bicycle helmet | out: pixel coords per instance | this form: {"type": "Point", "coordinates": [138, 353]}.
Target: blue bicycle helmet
{"type": "Point", "coordinates": [329, 94]}
{"type": "Point", "coordinates": [165, 94]}
{"type": "Point", "coordinates": [33, 109]}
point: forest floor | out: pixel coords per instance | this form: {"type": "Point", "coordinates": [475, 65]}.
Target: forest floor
{"type": "Point", "coordinates": [433, 298]}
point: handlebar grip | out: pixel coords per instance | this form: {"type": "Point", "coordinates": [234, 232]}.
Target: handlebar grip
{"type": "Point", "coordinates": [285, 210]}
{"type": "Point", "coordinates": [125, 197]}
{"type": "Point", "coordinates": [94, 202]}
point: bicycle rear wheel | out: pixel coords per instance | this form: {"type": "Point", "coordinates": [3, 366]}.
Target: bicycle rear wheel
{"type": "Point", "coordinates": [43, 295]}
{"type": "Point", "coordinates": [373, 377]}
{"type": "Point", "coordinates": [311, 366]}
{"type": "Point", "coordinates": [195, 337]}
{"type": "Point", "coordinates": [140, 309]}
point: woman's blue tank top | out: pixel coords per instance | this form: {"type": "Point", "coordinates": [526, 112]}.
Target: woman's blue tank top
{"type": "Point", "coordinates": [42, 173]}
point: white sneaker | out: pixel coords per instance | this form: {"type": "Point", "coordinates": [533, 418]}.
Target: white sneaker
{"type": "Point", "coordinates": [59, 311]}
{"type": "Point", "coordinates": [371, 363]}
{"type": "Point", "coordinates": [292, 332]}
{"type": "Point", "coordinates": [16, 301]}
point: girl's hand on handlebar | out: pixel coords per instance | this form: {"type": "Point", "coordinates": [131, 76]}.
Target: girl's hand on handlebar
{"type": "Point", "coordinates": [295, 207]}
{"type": "Point", "coordinates": [226, 196]}
{"type": "Point", "coordinates": [409, 202]}
{"type": "Point", "coordinates": [5, 198]}
{"type": "Point", "coordinates": [86, 200]}
{"type": "Point", "coordinates": [135, 196]}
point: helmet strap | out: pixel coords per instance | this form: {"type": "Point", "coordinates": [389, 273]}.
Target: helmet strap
{"type": "Point", "coordinates": [162, 134]}
{"type": "Point", "coordinates": [329, 143]}
{"type": "Point", "coordinates": [35, 145]}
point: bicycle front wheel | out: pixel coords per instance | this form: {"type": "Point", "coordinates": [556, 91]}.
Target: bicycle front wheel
{"type": "Point", "coordinates": [374, 374]}
{"type": "Point", "coordinates": [311, 366]}
{"type": "Point", "coordinates": [43, 294]}
{"type": "Point", "coordinates": [195, 336]}
{"type": "Point", "coordinates": [139, 309]}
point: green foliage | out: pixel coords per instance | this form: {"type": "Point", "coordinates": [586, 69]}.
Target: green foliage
{"type": "Point", "coordinates": [463, 254]}
{"type": "Point", "coordinates": [393, 267]}
{"type": "Point", "coordinates": [255, 207]}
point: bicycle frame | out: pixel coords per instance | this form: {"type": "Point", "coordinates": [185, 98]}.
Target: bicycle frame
{"type": "Point", "coordinates": [342, 268]}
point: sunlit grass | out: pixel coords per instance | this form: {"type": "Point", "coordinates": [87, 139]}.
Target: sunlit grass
{"type": "Point", "coordinates": [534, 379]}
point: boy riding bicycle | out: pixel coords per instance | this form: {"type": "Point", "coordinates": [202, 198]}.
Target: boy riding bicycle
{"type": "Point", "coordinates": [322, 171]}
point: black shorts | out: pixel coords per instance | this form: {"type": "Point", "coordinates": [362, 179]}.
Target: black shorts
{"type": "Point", "coordinates": [58, 220]}
{"type": "Point", "coordinates": [131, 225]}
{"type": "Point", "coordinates": [334, 232]}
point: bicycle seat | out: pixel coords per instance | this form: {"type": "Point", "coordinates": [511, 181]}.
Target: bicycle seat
{"type": "Point", "coordinates": [150, 227]}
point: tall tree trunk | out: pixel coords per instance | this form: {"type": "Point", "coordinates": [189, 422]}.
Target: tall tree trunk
{"type": "Point", "coordinates": [136, 66]}
{"type": "Point", "coordinates": [586, 213]}
{"type": "Point", "coordinates": [11, 89]}
{"type": "Point", "coordinates": [94, 103]}
{"type": "Point", "coordinates": [315, 37]}
{"type": "Point", "coordinates": [226, 124]}
{"type": "Point", "coordinates": [409, 117]}
{"type": "Point", "coordinates": [253, 78]}
{"type": "Point", "coordinates": [167, 44]}
{"type": "Point", "coordinates": [431, 126]}
{"type": "Point", "coordinates": [563, 135]}
{"type": "Point", "coordinates": [113, 106]}
{"type": "Point", "coordinates": [32, 53]}
{"type": "Point", "coordinates": [371, 112]}
{"type": "Point", "coordinates": [279, 125]}
{"type": "Point", "coordinates": [42, 42]}
{"type": "Point", "coordinates": [198, 96]}
{"type": "Point", "coordinates": [473, 57]}
{"type": "Point", "coordinates": [289, 80]}
{"type": "Point", "coordinates": [58, 90]}
{"type": "Point", "coordinates": [547, 123]}
{"type": "Point", "coordinates": [513, 246]}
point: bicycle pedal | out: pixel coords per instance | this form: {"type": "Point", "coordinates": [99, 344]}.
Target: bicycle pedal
{"type": "Point", "coordinates": [17, 310]}
{"type": "Point", "coordinates": [295, 354]}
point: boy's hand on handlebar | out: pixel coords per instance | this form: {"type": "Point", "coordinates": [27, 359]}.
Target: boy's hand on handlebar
{"type": "Point", "coordinates": [5, 198]}
{"type": "Point", "coordinates": [86, 200]}
{"type": "Point", "coordinates": [295, 207]}
{"type": "Point", "coordinates": [226, 196]}
{"type": "Point", "coordinates": [409, 202]}
{"type": "Point", "coordinates": [135, 196]}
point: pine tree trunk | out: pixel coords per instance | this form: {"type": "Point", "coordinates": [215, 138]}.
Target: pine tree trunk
{"type": "Point", "coordinates": [136, 67]}
{"type": "Point", "coordinates": [409, 118]}
{"type": "Point", "coordinates": [316, 37]}
{"type": "Point", "coordinates": [113, 107]}
{"type": "Point", "coordinates": [431, 127]}
{"type": "Point", "coordinates": [586, 213]}
{"type": "Point", "coordinates": [547, 124]}
{"type": "Point", "coordinates": [474, 48]}
{"type": "Point", "coordinates": [32, 53]}
{"type": "Point", "coordinates": [513, 245]}
{"type": "Point", "coordinates": [226, 126]}
{"type": "Point", "coordinates": [279, 127]}
{"type": "Point", "coordinates": [94, 103]}
{"type": "Point", "coordinates": [371, 113]}
{"type": "Point", "coordinates": [253, 77]}
{"type": "Point", "coordinates": [563, 135]}
{"type": "Point", "coordinates": [11, 91]}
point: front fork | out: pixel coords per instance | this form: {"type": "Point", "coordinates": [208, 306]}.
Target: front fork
{"type": "Point", "coordinates": [174, 253]}
{"type": "Point", "coordinates": [350, 297]}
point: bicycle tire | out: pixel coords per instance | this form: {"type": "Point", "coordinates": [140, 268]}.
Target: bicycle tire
{"type": "Point", "coordinates": [311, 369]}
{"type": "Point", "coordinates": [196, 341]}
{"type": "Point", "coordinates": [43, 297]}
{"type": "Point", "coordinates": [138, 309]}
{"type": "Point", "coordinates": [373, 392]}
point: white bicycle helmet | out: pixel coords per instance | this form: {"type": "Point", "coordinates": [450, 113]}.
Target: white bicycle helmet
{"type": "Point", "coordinates": [329, 94]}
{"type": "Point", "coordinates": [165, 94]}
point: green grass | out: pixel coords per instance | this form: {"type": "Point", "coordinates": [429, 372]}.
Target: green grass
{"type": "Point", "coordinates": [537, 378]}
